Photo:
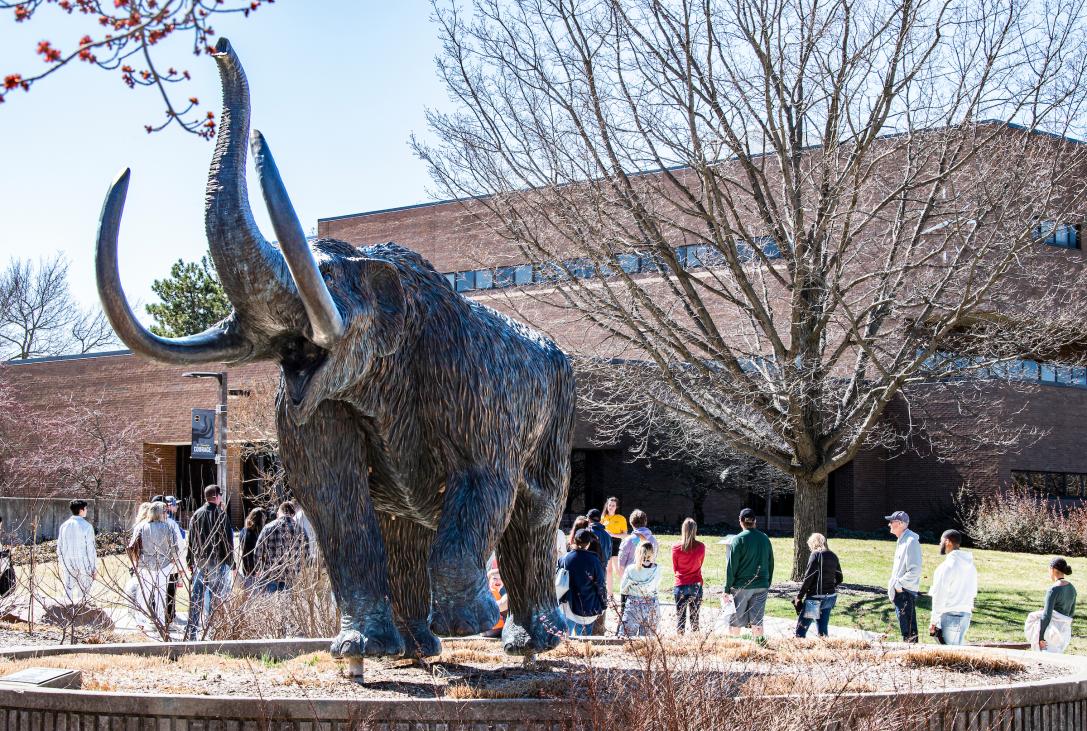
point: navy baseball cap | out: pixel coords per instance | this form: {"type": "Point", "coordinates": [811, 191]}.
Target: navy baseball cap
{"type": "Point", "coordinates": [898, 515]}
{"type": "Point", "coordinates": [747, 514]}
{"type": "Point", "coordinates": [593, 515]}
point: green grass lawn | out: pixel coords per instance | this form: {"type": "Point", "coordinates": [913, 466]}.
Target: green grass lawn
{"type": "Point", "coordinates": [1011, 585]}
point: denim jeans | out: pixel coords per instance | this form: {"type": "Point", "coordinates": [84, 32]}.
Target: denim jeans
{"type": "Point", "coordinates": [209, 588]}
{"type": "Point", "coordinates": [905, 603]}
{"type": "Point", "coordinates": [275, 586]}
{"type": "Point", "coordinates": [954, 626]}
{"type": "Point", "coordinates": [688, 598]}
{"type": "Point", "coordinates": [822, 625]}
{"type": "Point", "coordinates": [578, 630]}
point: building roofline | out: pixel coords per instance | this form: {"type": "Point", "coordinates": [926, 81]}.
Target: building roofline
{"type": "Point", "coordinates": [77, 356]}
{"type": "Point", "coordinates": [397, 209]}
{"type": "Point", "coordinates": [672, 168]}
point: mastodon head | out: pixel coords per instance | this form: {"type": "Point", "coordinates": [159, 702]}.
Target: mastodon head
{"type": "Point", "coordinates": [283, 307]}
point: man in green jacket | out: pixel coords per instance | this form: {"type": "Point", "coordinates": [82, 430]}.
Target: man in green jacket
{"type": "Point", "coordinates": [747, 581]}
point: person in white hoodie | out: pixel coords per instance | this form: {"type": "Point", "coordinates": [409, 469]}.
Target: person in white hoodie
{"type": "Point", "coordinates": [76, 554]}
{"type": "Point", "coordinates": [954, 586]}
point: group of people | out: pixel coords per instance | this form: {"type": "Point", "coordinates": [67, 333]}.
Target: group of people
{"type": "Point", "coordinates": [268, 556]}
{"type": "Point", "coordinates": [599, 549]}
{"type": "Point", "coordinates": [601, 552]}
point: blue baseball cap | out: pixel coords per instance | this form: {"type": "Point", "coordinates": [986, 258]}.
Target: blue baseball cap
{"type": "Point", "coordinates": [898, 515]}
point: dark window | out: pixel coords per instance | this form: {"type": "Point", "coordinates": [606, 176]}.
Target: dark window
{"type": "Point", "coordinates": [1053, 233]}
{"type": "Point", "coordinates": [548, 272]}
{"type": "Point", "coordinates": [581, 268]}
{"type": "Point", "coordinates": [451, 278]}
{"type": "Point", "coordinates": [484, 279]}
{"type": "Point", "coordinates": [465, 281]}
{"type": "Point", "coordinates": [504, 277]}
{"type": "Point", "coordinates": [1055, 484]}
{"type": "Point", "coordinates": [650, 263]}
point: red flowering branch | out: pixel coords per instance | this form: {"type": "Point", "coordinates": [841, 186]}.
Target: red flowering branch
{"type": "Point", "coordinates": [125, 30]}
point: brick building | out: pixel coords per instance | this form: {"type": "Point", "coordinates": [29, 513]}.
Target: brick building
{"type": "Point", "coordinates": [160, 399]}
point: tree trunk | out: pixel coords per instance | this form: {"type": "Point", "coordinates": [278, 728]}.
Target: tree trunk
{"type": "Point", "coordinates": [698, 506]}
{"type": "Point", "coordinates": [809, 516]}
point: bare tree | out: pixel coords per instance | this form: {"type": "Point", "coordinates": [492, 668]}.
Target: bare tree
{"type": "Point", "coordinates": [38, 316]}
{"type": "Point", "coordinates": [770, 217]}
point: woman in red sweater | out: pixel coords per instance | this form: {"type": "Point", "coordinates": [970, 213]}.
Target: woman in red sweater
{"type": "Point", "coordinates": [687, 558]}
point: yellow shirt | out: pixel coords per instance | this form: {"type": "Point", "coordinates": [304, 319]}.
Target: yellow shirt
{"type": "Point", "coordinates": [614, 524]}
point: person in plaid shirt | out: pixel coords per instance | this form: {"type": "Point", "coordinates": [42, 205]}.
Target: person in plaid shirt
{"type": "Point", "coordinates": [281, 549]}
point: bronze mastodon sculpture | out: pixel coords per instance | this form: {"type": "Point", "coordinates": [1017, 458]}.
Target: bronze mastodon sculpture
{"type": "Point", "coordinates": [419, 430]}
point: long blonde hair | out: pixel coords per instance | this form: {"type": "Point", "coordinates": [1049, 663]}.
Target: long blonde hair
{"type": "Point", "coordinates": [817, 542]}
{"type": "Point", "coordinates": [143, 512]}
{"type": "Point", "coordinates": [689, 531]}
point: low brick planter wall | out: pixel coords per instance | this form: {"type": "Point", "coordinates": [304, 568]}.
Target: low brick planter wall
{"type": "Point", "coordinates": [1057, 704]}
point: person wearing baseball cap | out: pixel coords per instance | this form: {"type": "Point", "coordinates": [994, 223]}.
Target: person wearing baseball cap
{"type": "Point", "coordinates": [905, 582]}
{"type": "Point", "coordinates": [748, 577]}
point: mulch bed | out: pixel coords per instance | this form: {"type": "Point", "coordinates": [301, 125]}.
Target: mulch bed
{"type": "Point", "coordinates": [478, 669]}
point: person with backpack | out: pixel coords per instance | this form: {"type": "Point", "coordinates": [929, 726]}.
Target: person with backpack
{"type": "Point", "coordinates": [585, 599]}
{"type": "Point", "coordinates": [819, 589]}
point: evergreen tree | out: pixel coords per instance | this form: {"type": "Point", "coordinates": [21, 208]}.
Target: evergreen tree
{"type": "Point", "coordinates": [191, 300]}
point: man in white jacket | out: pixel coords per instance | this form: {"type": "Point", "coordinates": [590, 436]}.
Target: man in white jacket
{"type": "Point", "coordinates": [76, 554]}
{"type": "Point", "coordinates": [954, 586]}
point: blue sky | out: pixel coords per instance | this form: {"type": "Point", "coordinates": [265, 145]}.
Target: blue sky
{"type": "Point", "coordinates": [337, 88]}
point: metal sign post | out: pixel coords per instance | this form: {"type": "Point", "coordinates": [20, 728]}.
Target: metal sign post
{"type": "Point", "coordinates": [221, 442]}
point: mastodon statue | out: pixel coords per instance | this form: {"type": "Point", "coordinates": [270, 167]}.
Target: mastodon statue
{"type": "Point", "coordinates": [419, 430]}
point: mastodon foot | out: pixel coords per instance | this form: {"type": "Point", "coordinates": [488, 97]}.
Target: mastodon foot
{"type": "Point", "coordinates": [374, 638]}
{"type": "Point", "coordinates": [458, 615]}
{"type": "Point", "coordinates": [539, 630]}
{"type": "Point", "coordinates": [419, 641]}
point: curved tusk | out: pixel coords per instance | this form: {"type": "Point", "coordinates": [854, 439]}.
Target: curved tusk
{"type": "Point", "coordinates": [219, 343]}
{"type": "Point", "coordinates": [324, 315]}
{"type": "Point", "coordinates": [252, 271]}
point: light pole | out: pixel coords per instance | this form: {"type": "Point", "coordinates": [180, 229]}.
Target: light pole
{"type": "Point", "coordinates": [220, 444]}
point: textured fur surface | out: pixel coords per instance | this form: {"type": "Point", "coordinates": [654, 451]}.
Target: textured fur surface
{"type": "Point", "coordinates": [415, 465]}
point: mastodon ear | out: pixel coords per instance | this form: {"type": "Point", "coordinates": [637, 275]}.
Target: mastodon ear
{"type": "Point", "coordinates": [389, 306]}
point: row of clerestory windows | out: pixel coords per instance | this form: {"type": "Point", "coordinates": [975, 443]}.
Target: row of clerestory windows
{"type": "Point", "coordinates": [693, 256]}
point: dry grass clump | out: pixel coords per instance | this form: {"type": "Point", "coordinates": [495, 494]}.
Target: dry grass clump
{"type": "Point", "coordinates": [963, 662]}
{"type": "Point", "coordinates": [88, 663]}
{"type": "Point", "coordinates": [527, 688]}
{"type": "Point", "coordinates": [306, 610]}
{"type": "Point", "coordinates": [574, 650]}
{"type": "Point", "coordinates": [803, 684]}
{"type": "Point", "coordinates": [475, 651]}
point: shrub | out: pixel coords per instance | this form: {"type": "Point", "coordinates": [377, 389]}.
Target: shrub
{"type": "Point", "coordinates": [1020, 519]}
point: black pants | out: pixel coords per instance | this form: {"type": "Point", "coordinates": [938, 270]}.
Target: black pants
{"type": "Point", "coordinates": [905, 603]}
{"type": "Point", "coordinates": [171, 598]}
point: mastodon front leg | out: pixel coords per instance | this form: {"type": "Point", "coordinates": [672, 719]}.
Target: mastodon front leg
{"type": "Point", "coordinates": [326, 465]}
{"type": "Point", "coordinates": [475, 510]}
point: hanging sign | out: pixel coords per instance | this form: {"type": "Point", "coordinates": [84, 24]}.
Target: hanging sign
{"type": "Point", "coordinates": [203, 434]}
